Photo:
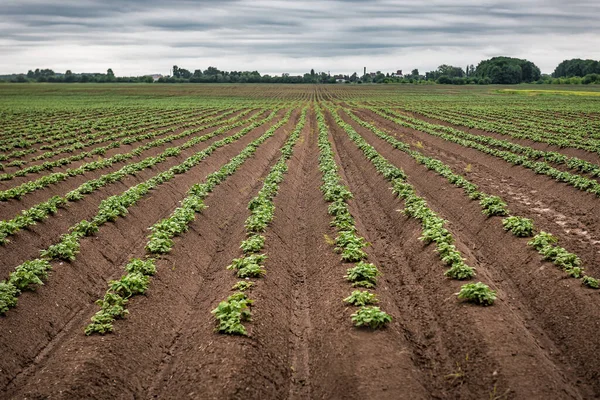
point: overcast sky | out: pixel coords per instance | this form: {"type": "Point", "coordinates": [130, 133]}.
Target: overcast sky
{"type": "Point", "coordinates": [137, 37]}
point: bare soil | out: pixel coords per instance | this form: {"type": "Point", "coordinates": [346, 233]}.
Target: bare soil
{"type": "Point", "coordinates": [538, 341]}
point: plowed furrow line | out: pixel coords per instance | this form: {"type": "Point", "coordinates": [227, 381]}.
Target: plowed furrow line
{"type": "Point", "coordinates": [44, 233]}
{"type": "Point", "coordinates": [555, 207]}
{"type": "Point", "coordinates": [89, 144]}
{"type": "Point", "coordinates": [74, 198]}
{"type": "Point", "coordinates": [73, 162]}
{"type": "Point", "coordinates": [146, 336]}
{"type": "Point", "coordinates": [498, 255]}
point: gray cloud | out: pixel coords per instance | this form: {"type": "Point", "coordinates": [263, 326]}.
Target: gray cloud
{"type": "Point", "coordinates": [273, 36]}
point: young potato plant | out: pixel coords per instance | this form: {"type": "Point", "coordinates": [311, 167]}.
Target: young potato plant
{"type": "Point", "coordinates": [460, 271]}
{"type": "Point", "coordinates": [352, 252]}
{"type": "Point", "coordinates": [8, 296]}
{"type": "Point", "coordinates": [371, 317]}
{"type": "Point", "coordinates": [260, 217]}
{"type": "Point", "coordinates": [253, 244]}
{"type": "Point", "coordinates": [112, 306]}
{"type": "Point", "coordinates": [478, 293]}
{"type": "Point", "coordinates": [493, 205]}
{"type": "Point", "coordinates": [363, 274]}
{"type": "Point", "coordinates": [84, 228]}
{"type": "Point", "coordinates": [590, 282]}
{"type": "Point", "coordinates": [160, 241]}
{"type": "Point", "coordinates": [546, 244]}
{"type": "Point", "coordinates": [130, 284]}
{"type": "Point", "coordinates": [231, 313]}
{"type": "Point", "coordinates": [66, 249]}
{"type": "Point", "coordinates": [249, 266]}
{"type": "Point", "coordinates": [361, 298]}
{"type": "Point", "coordinates": [29, 273]}
{"type": "Point", "coordinates": [518, 226]}
{"type": "Point", "coordinates": [542, 240]}
{"type": "Point", "coordinates": [242, 286]}
{"type": "Point", "coordinates": [143, 267]}
{"type": "Point", "coordinates": [561, 257]}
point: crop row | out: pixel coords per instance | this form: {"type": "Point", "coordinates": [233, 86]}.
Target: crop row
{"type": "Point", "coordinates": [549, 156]}
{"type": "Point", "coordinates": [532, 133]}
{"type": "Point", "coordinates": [491, 206]}
{"type": "Point", "coordinates": [577, 129]}
{"type": "Point", "coordinates": [348, 242]}
{"type": "Point", "coordinates": [181, 120]}
{"type": "Point", "coordinates": [49, 127]}
{"type": "Point", "coordinates": [473, 141]}
{"type": "Point", "coordinates": [433, 228]}
{"type": "Point", "coordinates": [109, 210]}
{"type": "Point", "coordinates": [160, 241]}
{"type": "Point", "coordinates": [73, 139]}
{"type": "Point", "coordinates": [132, 127]}
{"type": "Point", "coordinates": [233, 311]}
{"type": "Point", "coordinates": [42, 210]}
{"type": "Point", "coordinates": [23, 126]}
{"type": "Point", "coordinates": [49, 165]}
{"type": "Point", "coordinates": [40, 183]}
{"type": "Point", "coordinates": [524, 122]}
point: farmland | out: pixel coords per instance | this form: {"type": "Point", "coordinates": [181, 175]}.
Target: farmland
{"type": "Point", "coordinates": [299, 241]}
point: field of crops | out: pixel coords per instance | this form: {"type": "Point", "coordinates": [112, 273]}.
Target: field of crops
{"type": "Point", "coordinates": [299, 241]}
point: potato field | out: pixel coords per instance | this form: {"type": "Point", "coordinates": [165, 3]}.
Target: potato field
{"type": "Point", "coordinates": [299, 242]}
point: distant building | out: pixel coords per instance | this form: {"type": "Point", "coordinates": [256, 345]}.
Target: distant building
{"type": "Point", "coordinates": [156, 77]}
{"type": "Point", "coordinates": [397, 74]}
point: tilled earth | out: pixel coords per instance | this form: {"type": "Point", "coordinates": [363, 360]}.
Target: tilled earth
{"type": "Point", "coordinates": [539, 340]}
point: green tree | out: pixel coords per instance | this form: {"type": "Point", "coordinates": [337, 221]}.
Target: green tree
{"type": "Point", "coordinates": [576, 67]}
{"type": "Point", "coordinates": [69, 77]}
{"type": "Point", "coordinates": [507, 70]}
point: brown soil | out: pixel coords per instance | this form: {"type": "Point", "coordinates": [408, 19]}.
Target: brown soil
{"type": "Point", "coordinates": [109, 153]}
{"type": "Point", "coordinates": [66, 300]}
{"type": "Point", "coordinates": [568, 151]}
{"type": "Point", "coordinates": [535, 292]}
{"type": "Point", "coordinates": [110, 131]}
{"type": "Point", "coordinates": [537, 341]}
{"type": "Point", "coordinates": [47, 232]}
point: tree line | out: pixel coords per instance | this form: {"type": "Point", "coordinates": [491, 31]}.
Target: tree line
{"type": "Point", "coordinates": [497, 70]}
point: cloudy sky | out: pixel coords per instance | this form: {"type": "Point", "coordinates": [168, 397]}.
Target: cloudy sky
{"type": "Point", "coordinates": [137, 37]}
